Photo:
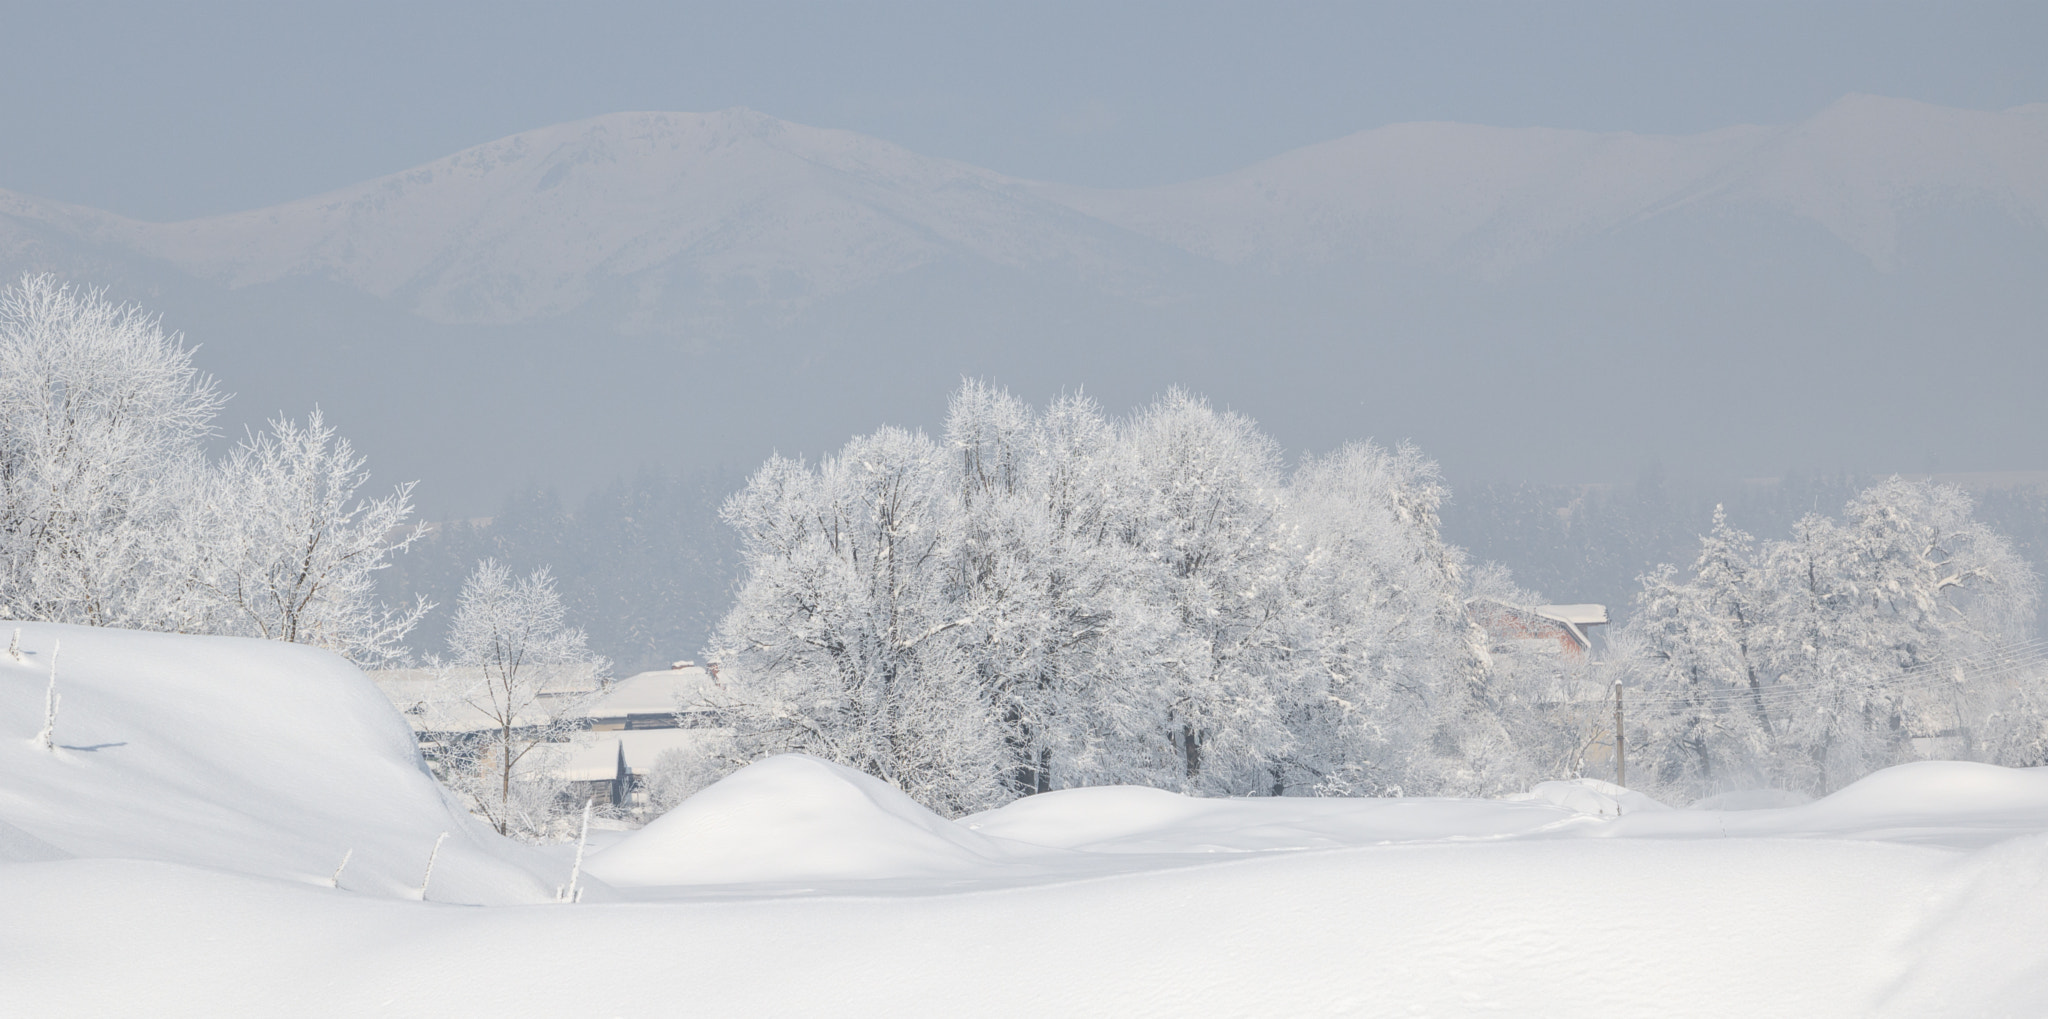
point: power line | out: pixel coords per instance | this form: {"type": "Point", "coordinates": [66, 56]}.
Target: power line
{"type": "Point", "coordinates": [2024, 659]}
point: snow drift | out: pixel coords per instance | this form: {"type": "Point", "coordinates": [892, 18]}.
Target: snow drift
{"type": "Point", "coordinates": [203, 788]}
{"type": "Point", "coordinates": [1956, 804]}
{"type": "Point", "coordinates": [1125, 819]}
{"type": "Point", "coordinates": [795, 818]}
{"type": "Point", "coordinates": [251, 756]}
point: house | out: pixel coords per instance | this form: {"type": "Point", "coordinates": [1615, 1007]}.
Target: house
{"type": "Point", "coordinates": [685, 696]}
{"type": "Point", "coordinates": [622, 733]}
{"type": "Point", "coordinates": [1560, 629]}
{"type": "Point", "coordinates": [644, 747]}
{"type": "Point", "coordinates": [423, 697]}
{"type": "Point", "coordinates": [595, 769]}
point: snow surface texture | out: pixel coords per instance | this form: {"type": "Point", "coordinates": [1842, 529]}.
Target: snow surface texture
{"type": "Point", "coordinates": [171, 857]}
{"type": "Point", "coordinates": [263, 759]}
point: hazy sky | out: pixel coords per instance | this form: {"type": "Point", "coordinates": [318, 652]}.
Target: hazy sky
{"type": "Point", "coordinates": [164, 111]}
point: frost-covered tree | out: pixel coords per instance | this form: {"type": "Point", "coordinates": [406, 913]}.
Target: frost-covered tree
{"type": "Point", "coordinates": [101, 418]}
{"type": "Point", "coordinates": [1064, 600]}
{"type": "Point", "coordinates": [841, 643]}
{"type": "Point", "coordinates": [111, 515]}
{"type": "Point", "coordinates": [1813, 660]}
{"type": "Point", "coordinates": [1202, 502]}
{"type": "Point", "coordinates": [283, 548]}
{"type": "Point", "coordinates": [1387, 662]}
{"type": "Point", "coordinates": [1703, 653]}
{"type": "Point", "coordinates": [1906, 581]}
{"type": "Point", "coordinates": [514, 686]}
{"type": "Point", "coordinates": [1061, 633]}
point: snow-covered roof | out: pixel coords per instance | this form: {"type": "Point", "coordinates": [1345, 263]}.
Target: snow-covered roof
{"type": "Point", "coordinates": [1587, 614]}
{"type": "Point", "coordinates": [428, 698]}
{"type": "Point", "coordinates": [1575, 619]}
{"type": "Point", "coordinates": [1571, 618]}
{"type": "Point", "coordinates": [589, 758]}
{"type": "Point", "coordinates": [659, 692]}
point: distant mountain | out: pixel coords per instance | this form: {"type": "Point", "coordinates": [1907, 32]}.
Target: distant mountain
{"type": "Point", "coordinates": [1866, 289]}
{"type": "Point", "coordinates": [730, 207]}
{"type": "Point", "coordinates": [1492, 200]}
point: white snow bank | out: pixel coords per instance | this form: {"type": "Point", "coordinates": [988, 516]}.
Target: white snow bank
{"type": "Point", "coordinates": [1744, 927]}
{"type": "Point", "coordinates": [1751, 799]}
{"type": "Point", "coordinates": [1129, 819]}
{"type": "Point", "coordinates": [794, 818]}
{"type": "Point", "coordinates": [1956, 804]}
{"type": "Point", "coordinates": [236, 771]}
{"type": "Point", "coordinates": [1942, 789]}
{"type": "Point", "coordinates": [1591, 796]}
{"type": "Point", "coordinates": [252, 756]}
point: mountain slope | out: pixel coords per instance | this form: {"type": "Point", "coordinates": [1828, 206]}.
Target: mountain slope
{"type": "Point", "coordinates": [683, 214]}
{"type": "Point", "coordinates": [736, 205]}
{"type": "Point", "coordinates": [1858, 291]}
{"type": "Point", "coordinates": [1489, 200]}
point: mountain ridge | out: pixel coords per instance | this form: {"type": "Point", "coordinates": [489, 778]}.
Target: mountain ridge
{"type": "Point", "coordinates": [1622, 178]}
{"type": "Point", "coordinates": [739, 208]}
{"type": "Point", "coordinates": [742, 199]}
{"type": "Point", "coordinates": [693, 290]}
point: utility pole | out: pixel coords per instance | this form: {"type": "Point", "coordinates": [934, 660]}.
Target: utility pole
{"type": "Point", "coordinates": [1620, 741]}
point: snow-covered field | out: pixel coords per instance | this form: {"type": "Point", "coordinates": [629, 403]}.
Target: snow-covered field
{"type": "Point", "coordinates": [173, 856]}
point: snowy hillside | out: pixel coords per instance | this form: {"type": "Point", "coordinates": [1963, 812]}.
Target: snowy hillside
{"type": "Point", "coordinates": [172, 856]}
{"type": "Point", "coordinates": [737, 207]}
{"type": "Point", "coordinates": [729, 206]}
{"type": "Point", "coordinates": [242, 756]}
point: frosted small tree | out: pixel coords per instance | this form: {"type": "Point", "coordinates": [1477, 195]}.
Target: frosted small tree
{"type": "Point", "coordinates": [1701, 655]}
{"type": "Point", "coordinates": [513, 688]}
{"type": "Point", "coordinates": [1536, 712]}
{"type": "Point", "coordinates": [101, 417]}
{"type": "Point", "coordinates": [284, 549]}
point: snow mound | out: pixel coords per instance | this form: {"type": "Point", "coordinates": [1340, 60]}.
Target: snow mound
{"type": "Point", "coordinates": [249, 756]}
{"type": "Point", "coordinates": [1086, 818]}
{"type": "Point", "coordinates": [1591, 796]}
{"type": "Point", "coordinates": [1752, 799]}
{"type": "Point", "coordinates": [795, 818]}
{"type": "Point", "coordinates": [1952, 804]}
{"type": "Point", "coordinates": [1943, 789]}
{"type": "Point", "coordinates": [1130, 819]}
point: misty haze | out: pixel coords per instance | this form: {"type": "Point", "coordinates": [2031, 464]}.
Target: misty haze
{"type": "Point", "coordinates": [902, 510]}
